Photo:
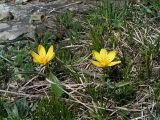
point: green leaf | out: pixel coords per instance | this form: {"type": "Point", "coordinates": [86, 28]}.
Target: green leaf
{"type": "Point", "coordinates": [122, 84]}
{"type": "Point", "coordinates": [56, 87]}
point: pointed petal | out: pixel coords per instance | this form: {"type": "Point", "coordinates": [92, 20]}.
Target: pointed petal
{"type": "Point", "coordinates": [50, 54]}
{"type": "Point", "coordinates": [41, 51]}
{"type": "Point", "coordinates": [96, 55]}
{"type": "Point", "coordinates": [103, 53]}
{"type": "Point", "coordinates": [36, 57]}
{"type": "Point", "coordinates": [114, 63]}
{"type": "Point", "coordinates": [96, 63]}
{"type": "Point", "coordinates": [36, 61]}
{"type": "Point", "coordinates": [111, 55]}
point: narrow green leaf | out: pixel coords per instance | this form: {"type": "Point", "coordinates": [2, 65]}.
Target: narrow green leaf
{"type": "Point", "coordinates": [56, 87]}
{"type": "Point", "coordinates": [122, 84]}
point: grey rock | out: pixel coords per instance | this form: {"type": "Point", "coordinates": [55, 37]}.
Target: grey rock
{"type": "Point", "coordinates": [28, 20]}
{"type": "Point", "coordinates": [72, 9]}
{"type": "Point", "coordinates": [4, 8]}
{"type": "Point", "coordinates": [20, 1]}
{"type": "Point", "coordinates": [7, 35]}
{"type": "Point", "coordinates": [5, 12]}
{"type": "Point", "coordinates": [4, 26]}
{"type": "Point", "coordinates": [6, 16]}
{"type": "Point", "coordinates": [12, 32]}
{"type": "Point", "coordinates": [60, 1]}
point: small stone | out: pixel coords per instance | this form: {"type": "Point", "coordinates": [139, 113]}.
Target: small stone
{"type": "Point", "coordinates": [72, 9]}
{"type": "Point", "coordinates": [37, 17]}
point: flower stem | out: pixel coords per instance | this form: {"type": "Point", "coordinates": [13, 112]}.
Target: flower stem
{"type": "Point", "coordinates": [105, 75]}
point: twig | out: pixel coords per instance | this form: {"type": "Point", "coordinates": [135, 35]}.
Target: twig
{"type": "Point", "coordinates": [54, 9]}
{"type": "Point", "coordinates": [78, 101]}
{"type": "Point", "coordinates": [17, 93]}
{"type": "Point", "coordinates": [23, 87]}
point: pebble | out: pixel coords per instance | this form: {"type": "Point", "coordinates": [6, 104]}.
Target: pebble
{"type": "Point", "coordinates": [37, 17]}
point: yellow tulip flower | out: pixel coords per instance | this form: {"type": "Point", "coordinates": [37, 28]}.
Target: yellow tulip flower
{"type": "Point", "coordinates": [104, 58]}
{"type": "Point", "coordinates": [42, 57]}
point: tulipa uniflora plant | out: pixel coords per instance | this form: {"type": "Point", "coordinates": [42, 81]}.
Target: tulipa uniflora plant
{"type": "Point", "coordinates": [42, 57]}
{"type": "Point", "coordinates": [104, 58]}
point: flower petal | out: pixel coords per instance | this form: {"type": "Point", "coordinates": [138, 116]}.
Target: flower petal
{"type": "Point", "coordinates": [103, 53]}
{"type": "Point", "coordinates": [36, 57]}
{"type": "Point", "coordinates": [41, 51]}
{"type": "Point", "coordinates": [96, 63]}
{"type": "Point", "coordinates": [96, 55]}
{"type": "Point", "coordinates": [111, 55]}
{"type": "Point", "coordinates": [114, 63]}
{"type": "Point", "coordinates": [50, 54]}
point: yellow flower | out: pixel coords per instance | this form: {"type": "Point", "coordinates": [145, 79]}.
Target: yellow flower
{"type": "Point", "coordinates": [42, 57]}
{"type": "Point", "coordinates": [104, 58]}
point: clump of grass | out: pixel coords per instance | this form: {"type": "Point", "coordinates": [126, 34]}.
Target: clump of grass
{"type": "Point", "coordinates": [16, 110]}
{"type": "Point", "coordinates": [5, 73]}
{"type": "Point", "coordinates": [52, 109]}
{"type": "Point", "coordinates": [124, 94]}
{"type": "Point", "coordinates": [44, 109]}
{"type": "Point", "coordinates": [69, 26]}
{"type": "Point", "coordinates": [2, 110]}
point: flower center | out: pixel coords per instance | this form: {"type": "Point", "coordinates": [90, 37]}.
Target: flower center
{"type": "Point", "coordinates": [104, 62]}
{"type": "Point", "coordinates": [44, 60]}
